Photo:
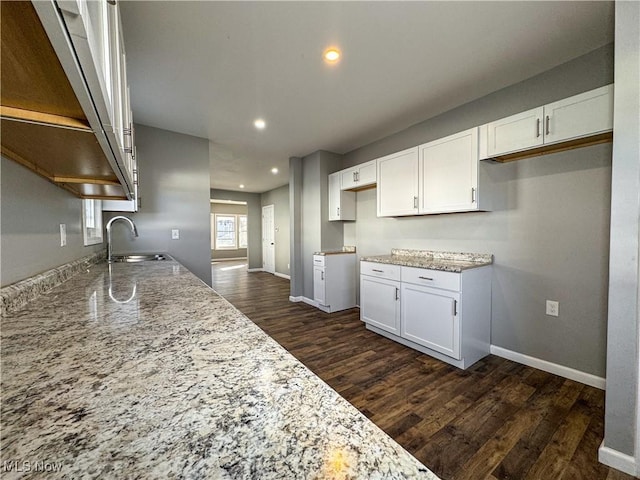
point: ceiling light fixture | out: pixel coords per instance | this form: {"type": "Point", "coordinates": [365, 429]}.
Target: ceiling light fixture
{"type": "Point", "coordinates": [274, 170]}
{"type": "Point", "coordinates": [260, 124]}
{"type": "Point", "coordinates": [241, 185]}
{"type": "Point", "coordinates": [331, 55]}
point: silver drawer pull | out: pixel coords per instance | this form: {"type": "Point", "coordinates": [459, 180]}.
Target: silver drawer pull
{"type": "Point", "coordinates": [426, 278]}
{"type": "Point", "coordinates": [379, 271]}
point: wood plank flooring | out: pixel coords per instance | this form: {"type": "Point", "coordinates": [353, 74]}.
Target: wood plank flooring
{"type": "Point", "coordinates": [498, 420]}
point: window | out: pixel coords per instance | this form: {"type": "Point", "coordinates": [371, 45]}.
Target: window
{"type": "Point", "coordinates": [92, 221]}
{"type": "Point", "coordinates": [242, 231]}
{"type": "Point", "coordinates": [226, 232]}
{"type": "Point", "coordinates": [229, 231]}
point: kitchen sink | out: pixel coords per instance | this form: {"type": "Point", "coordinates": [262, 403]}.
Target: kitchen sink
{"type": "Point", "coordinates": [140, 257]}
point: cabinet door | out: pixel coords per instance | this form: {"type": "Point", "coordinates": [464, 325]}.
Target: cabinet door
{"type": "Point", "coordinates": [582, 115]}
{"type": "Point", "coordinates": [514, 133]}
{"type": "Point", "coordinates": [449, 173]}
{"type": "Point", "coordinates": [319, 290]}
{"type": "Point", "coordinates": [430, 318]}
{"type": "Point", "coordinates": [380, 303]}
{"type": "Point", "coordinates": [348, 178]}
{"type": "Point", "coordinates": [398, 184]}
{"type": "Point", "coordinates": [334, 196]}
{"type": "Point", "coordinates": [367, 174]}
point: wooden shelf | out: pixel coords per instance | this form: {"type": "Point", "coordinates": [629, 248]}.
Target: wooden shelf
{"type": "Point", "coordinates": [43, 125]}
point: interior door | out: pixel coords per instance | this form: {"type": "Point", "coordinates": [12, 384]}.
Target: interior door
{"type": "Point", "coordinates": [268, 240]}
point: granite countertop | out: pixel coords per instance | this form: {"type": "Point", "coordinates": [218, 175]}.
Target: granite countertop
{"type": "Point", "coordinates": [433, 260]}
{"type": "Point", "coordinates": [145, 372]}
{"type": "Point", "coordinates": [336, 251]}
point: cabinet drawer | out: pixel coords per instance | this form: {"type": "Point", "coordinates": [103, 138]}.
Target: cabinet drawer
{"type": "Point", "coordinates": [382, 270]}
{"type": "Point", "coordinates": [431, 278]}
{"type": "Point", "coordinates": [318, 260]}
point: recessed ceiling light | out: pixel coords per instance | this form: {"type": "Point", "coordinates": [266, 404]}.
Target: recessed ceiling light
{"type": "Point", "coordinates": [331, 55]}
{"type": "Point", "coordinates": [241, 185]}
{"type": "Point", "coordinates": [274, 170]}
{"type": "Point", "coordinates": [260, 124]}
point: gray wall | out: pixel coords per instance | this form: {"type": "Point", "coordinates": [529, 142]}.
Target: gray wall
{"type": "Point", "coordinates": [174, 188]}
{"type": "Point", "coordinates": [622, 406]}
{"type": "Point", "coordinates": [279, 198]}
{"type": "Point", "coordinates": [295, 227]}
{"type": "Point", "coordinates": [317, 232]}
{"type": "Point", "coordinates": [233, 209]}
{"type": "Point", "coordinates": [254, 219]}
{"type": "Point", "coordinates": [550, 238]}
{"type": "Point", "coordinates": [32, 211]}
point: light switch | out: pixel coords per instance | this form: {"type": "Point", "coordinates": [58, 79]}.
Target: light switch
{"type": "Point", "coordinates": [175, 234]}
{"type": "Point", "coordinates": [63, 234]}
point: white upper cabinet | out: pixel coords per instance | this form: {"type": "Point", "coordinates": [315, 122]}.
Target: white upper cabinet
{"type": "Point", "coordinates": [449, 173]}
{"type": "Point", "coordinates": [359, 176]}
{"type": "Point", "coordinates": [397, 193]}
{"type": "Point", "coordinates": [574, 121]}
{"type": "Point", "coordinates": [589, 113]}
{"type": "Point", "coordinates": [342, 205]}
{"type": "Point", "coordinates": [517, 132]}
{"type": "Point", "coordinates": [96, 34]}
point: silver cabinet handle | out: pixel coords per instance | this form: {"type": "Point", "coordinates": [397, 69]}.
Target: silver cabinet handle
{"type": "Point", "coordinates": [338, 211]}
{"type": "Point", "coordinates": [354, 176]}
{"type": "Point", "coordinates": [397, 293]}
{"type": "Point", "coordinates": [426, 278]}
{"type": "Point", "coordinates": [537, 127]}
{"type": "Point", "coordinates": [473, 195]}
{"type": "Point", "coordinates": [547, 129]}
{"type": "Point", "coordinates": [375, 270]}
{"type": "Point", "coordinates": [321, 275]}
{"type": "Point", "coordinates": [357, 176]}
{"type": "Point", "coordinates": [455, 308]}
{"type": "Point", "coordinates": [415, 202]}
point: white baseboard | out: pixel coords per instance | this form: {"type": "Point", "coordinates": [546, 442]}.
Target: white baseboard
{"type": "Point", "coordinates": [618, 460]}
{"type": "Point", "coordinates": [550, 367]}
{"type": "Point", "coordinates": [304, 300]}
{"type": "Point", "coordinates": [282, 275]}
{"type": "Point", "coordinates": [231, 259]}
{"type": "Point", "coordinates": [251, 270]}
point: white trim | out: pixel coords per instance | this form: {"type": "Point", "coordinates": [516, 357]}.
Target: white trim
{"type": "Point", "coordinates": [618, 460]}
{"type": "Point", "coordinates": [282, 275]}
{"type": "Point", "coordinates": [219, 260]}
{"type": "Point", "coordinates": [251, 270]}
{"type": "Point", "coordinates": [304, 300]}
{"type": "Point", "coordinates": [566, 372]}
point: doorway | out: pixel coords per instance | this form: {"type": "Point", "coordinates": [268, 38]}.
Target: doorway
{"type": "Point", "coordinates": [268, 239]}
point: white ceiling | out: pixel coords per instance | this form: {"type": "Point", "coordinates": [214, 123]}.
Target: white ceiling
{"type": "Point", "coordinates": [210, 69]}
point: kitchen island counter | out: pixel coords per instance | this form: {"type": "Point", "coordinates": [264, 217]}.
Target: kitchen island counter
{"type": "Point", "coordinates": [142, 371]}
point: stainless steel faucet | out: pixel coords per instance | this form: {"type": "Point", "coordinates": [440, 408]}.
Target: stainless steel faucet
{"type": "Point", "coordinates": [134, 232]}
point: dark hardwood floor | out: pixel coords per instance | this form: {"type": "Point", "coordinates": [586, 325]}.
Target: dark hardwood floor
{"type": "Point", "coordinates": [497, 420]}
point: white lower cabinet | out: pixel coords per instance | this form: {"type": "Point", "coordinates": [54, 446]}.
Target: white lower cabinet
{"type": "Point", "coordinates": [430, 318]}
{"type": "Point", "coordinates": [382, 305]}
{"type": "Point", "coordinates": [443, 314]}
{"type": "Point", "coordinates": [334, 281]}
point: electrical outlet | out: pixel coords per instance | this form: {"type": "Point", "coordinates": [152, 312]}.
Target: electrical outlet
{"type": "Point", "coordinates": [288, 266]}
{"type": "Point", "coordinates": [552, 308]}
{"type": "Point", "coordinates": [175, 234]}
{"type": "Point", "coordinates": [63, 234]}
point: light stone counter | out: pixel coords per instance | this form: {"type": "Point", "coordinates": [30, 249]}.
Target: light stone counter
{"type": "Point", "coordinates": [148, 373]}
{"type": "Point", "coordinates": [432, 260]}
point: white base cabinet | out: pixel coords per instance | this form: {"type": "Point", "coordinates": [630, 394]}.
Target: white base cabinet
{"type": "Point", "coordinates": [334, 281]}
{"type": "Point", "coordinates": [443, 314]}
{"type": "Point", "coordinates": [380, 286]}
